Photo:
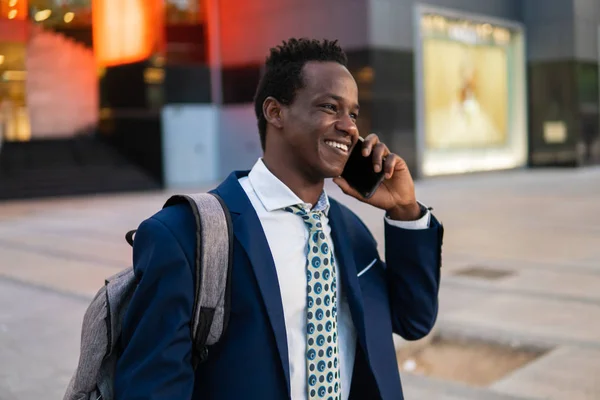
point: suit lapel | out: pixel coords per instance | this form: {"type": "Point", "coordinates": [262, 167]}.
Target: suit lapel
{"type": "Point", "coordinates": [248, 231]}
{"type": "Point", "coordinates": [347, 268]}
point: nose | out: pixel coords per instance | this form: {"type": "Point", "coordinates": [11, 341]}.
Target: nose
{"type": "Point", "coordinates": [347, 125]}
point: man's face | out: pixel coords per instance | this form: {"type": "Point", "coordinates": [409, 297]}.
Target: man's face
{"type": "Point", "coordinates": [319, 128]}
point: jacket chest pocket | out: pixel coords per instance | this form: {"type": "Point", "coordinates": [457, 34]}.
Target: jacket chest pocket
{"type": "Point", "coordinates": [371, 278]}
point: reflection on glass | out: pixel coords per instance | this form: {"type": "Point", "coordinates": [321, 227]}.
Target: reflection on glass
{"type": "Point", "coordinates": [183, 12]}
{"type": "Point", "coordinates": [53, 13]}
{"type": "Point", "coordinates": [185, 32]}
{"type": "Point", "coordinates": [459, 29]}
{"type": "Point", "coordinates": [472, 97]}
{"type": "Point", "coordinates": [125, 32]}
{"type": "Point", "coordinates": [42, 15]}
{"type": "Point", "coordinates": [14, 119]}
{"type": "Point", "coordinates": [13, 9]}
{"type": "Point", "coordinates": [465, 95]}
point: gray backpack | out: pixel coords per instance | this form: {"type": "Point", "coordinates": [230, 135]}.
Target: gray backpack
{"type": "Point", "coordinates": [101, 329]}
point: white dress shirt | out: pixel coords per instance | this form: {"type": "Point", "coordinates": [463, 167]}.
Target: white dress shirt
{"type": "Point", "coordinates": [287, 237]}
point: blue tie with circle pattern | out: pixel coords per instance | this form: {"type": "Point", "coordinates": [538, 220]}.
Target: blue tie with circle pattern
{"type": "Point", "coordinates": [321, 317]}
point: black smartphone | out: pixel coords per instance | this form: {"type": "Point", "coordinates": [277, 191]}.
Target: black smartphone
{"type": "Point", "coordinates": [359, 172]}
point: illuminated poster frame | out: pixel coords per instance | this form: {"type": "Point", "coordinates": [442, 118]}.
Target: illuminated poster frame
{"type": "Point", "coordinates": [475, 33]}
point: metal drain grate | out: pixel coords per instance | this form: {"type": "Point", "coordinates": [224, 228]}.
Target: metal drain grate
{"type": "Point", "coordinates": [490, 274]}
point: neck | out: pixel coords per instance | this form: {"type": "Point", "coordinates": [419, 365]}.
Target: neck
{"type": "Point", "coordinates": [306, 189]}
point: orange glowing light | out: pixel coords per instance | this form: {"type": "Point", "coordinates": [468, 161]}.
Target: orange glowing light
{"type": "Point", "coordinates": [124, 31]}
{"type": "Point", "coordinates": [13, 9]}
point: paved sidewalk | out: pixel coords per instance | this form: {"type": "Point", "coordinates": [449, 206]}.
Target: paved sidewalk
{"type": "Point", "coordinates": [539, 228]}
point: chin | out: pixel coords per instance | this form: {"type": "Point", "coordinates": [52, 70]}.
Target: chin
{"type": "Point", "coordinates": [330, 171]}
{"type": "Point", "coordinates": [328, 167]}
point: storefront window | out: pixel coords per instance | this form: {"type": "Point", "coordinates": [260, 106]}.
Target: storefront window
{"type": "Point", "coordinates": [61, 13]}
{"type": "Point", "coordinates": [185, 32]}
{"type": "Point", "coordinates": [14, 121]}
{"type": "Point", "coordinates": [48, 82]}
{"type": "Point", "coordinates": [472, 106]}
{"type": "Point", "coordinates": [13, 9]}
{"type": "Point", "coordinates": [125, 33]}
{"type": "Point", "coordinates": [183, 12]}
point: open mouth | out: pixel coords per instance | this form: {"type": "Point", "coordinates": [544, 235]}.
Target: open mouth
{"type": "Point", "coordinates": [337, 145]}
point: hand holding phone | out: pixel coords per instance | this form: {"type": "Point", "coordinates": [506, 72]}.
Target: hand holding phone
{"type": "Point", "coordinates": [392, 189]}
{"type": "Point", "coordinates": [359, 172]}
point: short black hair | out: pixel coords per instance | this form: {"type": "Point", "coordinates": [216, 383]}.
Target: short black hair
{"type": "Point", "coordinates": [283, 72]}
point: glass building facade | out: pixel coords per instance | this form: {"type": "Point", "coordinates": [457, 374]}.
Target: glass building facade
{"type": "Point", "coordinates": [116, 95]}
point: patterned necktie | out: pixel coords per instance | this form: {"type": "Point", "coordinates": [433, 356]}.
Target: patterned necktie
{"type": "Point", "coordinates": [321, 318]}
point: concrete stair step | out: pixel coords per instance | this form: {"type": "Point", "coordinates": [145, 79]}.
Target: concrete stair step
{"type": "Point", "coordinates": [421, 387]}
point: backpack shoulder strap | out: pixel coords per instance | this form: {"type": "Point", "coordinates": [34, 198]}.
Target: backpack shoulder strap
{"type": "Point", "coordinates": [213, 265]}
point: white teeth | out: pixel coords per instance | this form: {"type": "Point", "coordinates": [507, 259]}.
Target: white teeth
{"type": "Point", "coordinates": [337, 145]}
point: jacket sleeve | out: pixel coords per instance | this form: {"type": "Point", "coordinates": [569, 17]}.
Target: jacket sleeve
{"type": "Point", "coordinates": [155, 363]}
{"type": "Point", "coordinates": [413, 259]}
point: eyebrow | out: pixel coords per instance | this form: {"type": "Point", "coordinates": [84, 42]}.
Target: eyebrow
{"type": "Point", "coordinates": [339, 98]}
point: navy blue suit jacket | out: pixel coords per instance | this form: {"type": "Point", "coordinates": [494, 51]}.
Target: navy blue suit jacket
{"type": "Point", "coordinates": [251, 360]}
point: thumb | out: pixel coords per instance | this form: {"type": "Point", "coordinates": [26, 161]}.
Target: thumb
{"type": "Point", "coordinates": [346, 188]}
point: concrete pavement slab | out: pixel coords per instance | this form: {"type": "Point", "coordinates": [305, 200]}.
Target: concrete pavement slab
{"type": "Point", "coordinates": [543, 224]}
{"type": "Point", "coordinates": [531, 319]}
{"type": "Point", "coordinates": [453, 299]}
{"type": "Point", "coordinates": [418, 387]}
{"type": "Point", "coordinates": [76, 246]}
{"type": "Point", "coordinates": [39, 336]}
{"type": "Point", "coordinates": [566, 373]}
{"type": "Point", "coordinates": [64, 275]}
{"type": "Point", "coordinates": [540, 283]}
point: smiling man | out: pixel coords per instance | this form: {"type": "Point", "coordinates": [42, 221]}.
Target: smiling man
{"type": "Point", "coordinates": [313, 307]}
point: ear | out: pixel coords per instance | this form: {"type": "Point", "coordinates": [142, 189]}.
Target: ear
{"type": "Point", "coordinates": [272, 110]}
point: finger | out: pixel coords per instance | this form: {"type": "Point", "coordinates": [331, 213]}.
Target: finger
{"type": "Point", "coordinates": [369, 143]}
{"type": "Point", "coordinates": [400, 165]}
{"type": "Point", "coordinates": [379, 151]}
{"type": "Point", "coordinates": [346, 188]}
{"type": "Point", "coordinates": [390, 165]}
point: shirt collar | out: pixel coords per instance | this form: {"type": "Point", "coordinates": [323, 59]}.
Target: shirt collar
{"type": "Point", "coordinates": [275, 195]}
